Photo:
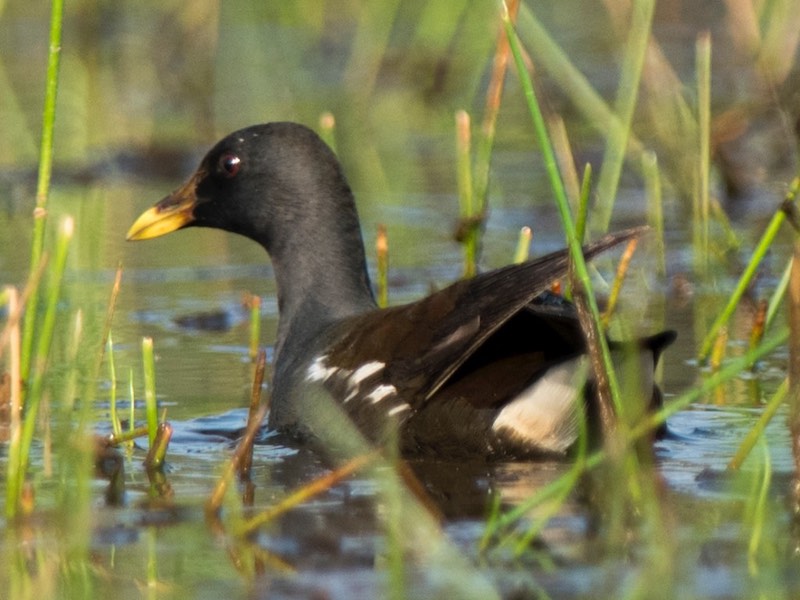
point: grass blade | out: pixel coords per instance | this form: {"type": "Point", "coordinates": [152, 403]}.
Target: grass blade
{"type": "Point", "coordinates": [758, 255]}
{"type": "Point", "coordinates": [617, 138]}
{"type": "Point", "coordinates": [573, 242]}
{"type": "Point", "coordinates": [45, 170]}
{"type": "Point", "coordinates": [151, 404]}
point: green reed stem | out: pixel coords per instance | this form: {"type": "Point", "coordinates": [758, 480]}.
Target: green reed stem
{"type": "Point", "coordinates": [523, 245]}
{"type": "Point", "coordinates": [556, 62]}
{"type": "Point", "coordinates": [132, 406]}
{"type": "Point", "coordinates": [38, 376]}
{"type": "Point", "coordinates": [43, 181]}
{"type": "Point", "coordinates": [619, 279]}
{"type": "Point", "coordinates": [777, 296]}
{"type": "Point", "coordinates": [652, 186]}
{"type": "Point", "coordinates": [752, 437]}
{"type": "Point", "coordinates": [382, 254]}
{"type": "Point", "coordinates": [158, 448]}
{"type": "Point", "coordinates": [628, 92]}
{"type": "Point", "coordinates": [701, 225]}
{"type": "Point", "coordinates": [494, 94]}
{"type": "Point", "coordinates": [573, 242]}
{"type": "Point", "coordinates": [15, 404]}
{"type": "Point", "coordinates": [465, 193]}
{"type": "Point", "coordinates": [255, 325]}
{"type": "Point", "coordinates": [116, 426]}
{"type": "Point", "coordinates": [245, 465]}
{"type": "Point", "coordinates": [749, 272]}
{"type": "Point", "coordinates": [45, 336]}
{"type": "Point", "coordinates": [583, 203]}
{"type": "Point", "coordinates": [327, 129]}
{"type": "Point", "coordinates": [127, 436]}
{"type": "Point", "coordinates": [759, 513]}
{"type": "Point", "coordinates": [150, 402]}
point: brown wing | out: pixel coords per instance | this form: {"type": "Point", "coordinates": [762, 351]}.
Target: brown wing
{"type": "Point", "coordinates": [421, 345]}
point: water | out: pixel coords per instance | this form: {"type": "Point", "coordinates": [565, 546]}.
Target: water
{"type": "Point", "coordinates": [132, 123]}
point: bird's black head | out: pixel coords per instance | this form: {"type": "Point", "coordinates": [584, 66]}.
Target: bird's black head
{"type": "Point", "coordinates": [261, 182]}
{"type": "Point", "coordinates": [280, 185]}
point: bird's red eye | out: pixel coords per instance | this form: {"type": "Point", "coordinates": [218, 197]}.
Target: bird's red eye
{"type": "Point", "coordinates": [229, 165]}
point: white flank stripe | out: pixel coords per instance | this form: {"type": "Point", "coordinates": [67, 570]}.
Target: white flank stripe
{"type": "Point", "coordinates": [364, 371]}
{"type": "Point", "coordinates": [381, 392]}
{"type": "Point", "coordinates": [318, 370]}
{"type": "Point", "coordinates": [399, 408]}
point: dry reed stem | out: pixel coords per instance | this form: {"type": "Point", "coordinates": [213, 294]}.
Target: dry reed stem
{"type": "Point", "coordinates": [15, 316]}
{"type": "Point", "coordinates": [718, 350]}
{"type": "Point", "coordinates": [608, 417]}
{"type": "Point", "coordinates": [564, 156]}
{"type": "Point", "coordinates": [112, 305]}
{"type": "Point", "coordinates": [214, 501]}
{"type": "Point", "coordinates": [314, 488]}
{"type": "Point", "coordinates": [494, 92]}
{"type": "Point", "coordinates": [794, 372]}
{"type": "Point", "coordinates": [254, 418]}
{"type": "Point", "coordinates": [382, 253]}
{"type": "Point", "coordinates": [158, 449]}
{"type": "Point", "coordinates": [759, 323]}
{"type": "Point", "coordinates": [126, 436]}
{"type": "Point", "coordinates": [619, 279]}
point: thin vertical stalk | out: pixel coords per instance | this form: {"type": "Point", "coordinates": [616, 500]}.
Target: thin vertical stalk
{"type": "Point", "coordinates": [776, 300]}
{"type": "Point", "coordinates": [468, 216]}
{"type": "Point", "coordinates": [619, 279]}
{"type": "Point", "coordinates": [45, 170]}
{"type": "Point", "coordinates": [15, 425]}
{"type": "Point", "coordinates": [158, 448]}
{"type": "Point", "coordinates": [116, 426]}
{"type": "Point", "coordinates": [794, 371]}
{"type": "Point", "coordinates": [583, 215]}
{"type": "Point", "coordinates": [566, 159]}
{"type": "Point", "coordinates": [652, 186]}
{"type": "Point", "coordinates": [617, 139]}
{"type": "Point", "coordinates": [583, 202]}
{"type": "Point", "coordinates": [703, 68]}
{"type": "Point", "coordinates": [131, 407]}
{"type": "Point", "coordinates": [112, 305]}
{"type": "Point", "coordinates": [573, 242]}
{"type": "Point", "coordinates": [255, 324]}
{"type": "Point", "coordinates": [758, 514]}
{"type": "Point", "coordinates": [42, 351]}
{"type": "Point", "coordinates": [151, 405]}
{"type": "Point", "coordinates": [523, 245]}
{"type": "Point", "coordinates": [382, 253]}
{"type": "Point", "coordinates": [494, 94]}
{"type": "Point", "coordinates": [246, 464]}
{"type": "Point", "coordinates": [327, 129]}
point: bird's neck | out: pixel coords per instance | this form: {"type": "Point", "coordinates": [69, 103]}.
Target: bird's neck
{"type": "Point", "coordinates": [322, 280]}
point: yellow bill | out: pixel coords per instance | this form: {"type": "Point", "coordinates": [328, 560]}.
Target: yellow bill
{"type": "Point", "coordinates": [172, 213]}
